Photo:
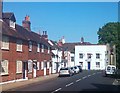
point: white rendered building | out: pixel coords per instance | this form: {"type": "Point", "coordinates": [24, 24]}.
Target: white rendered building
{"type": "Point", "coordinates": [91, 57]}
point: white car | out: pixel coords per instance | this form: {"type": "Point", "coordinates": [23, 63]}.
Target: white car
{"type": "Point", "coordinates": [110, 70]}
{"type": "Point", "coordinates": [67, 71]}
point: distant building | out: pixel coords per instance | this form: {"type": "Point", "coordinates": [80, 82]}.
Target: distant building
{"type": "Point", "coordinates": [91, 56]}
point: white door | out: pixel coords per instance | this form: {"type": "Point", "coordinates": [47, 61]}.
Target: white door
{"type": "Point", "coordinates": [49, 70]}
{"type": "Point", "coordinates": [45, 68]}
{"type": "Point", "coordinates": [34, 69]}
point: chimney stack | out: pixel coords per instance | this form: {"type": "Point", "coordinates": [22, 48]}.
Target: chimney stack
{"type": "Point", "coordinates": [26, 23]}
{"type": "Point", "coordinates": [82, 40]}
{"type": "Point", "coordinates": [45, 36]}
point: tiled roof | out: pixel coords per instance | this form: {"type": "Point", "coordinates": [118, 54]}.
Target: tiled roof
{"type": "Point", "coordinates": [8, 15]}
{"type": "Point", "coordinates": [71, 46]}
{"type": "Point", "coordinates": [21, 33]}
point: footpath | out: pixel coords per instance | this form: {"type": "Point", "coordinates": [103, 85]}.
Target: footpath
{"type": "Point", "coordinates": [14, 85]}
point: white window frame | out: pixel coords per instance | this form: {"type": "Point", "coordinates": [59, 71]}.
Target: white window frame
{"type": "Point", "coordinates": [72, 59]}
{"type": "Point", "coordinates": [30, 45]}
{"type": "Point", "coordinates": [4, 66]}
{"type": "Point", "coordinates": [98, 66]}
{"type": "Point", "coordinates": [97, 55]}
{"type": "Point", "coordinates": [81, 55]}
{"type": "Point", "coordinates": [12, 24]}
{"type": "Point", "coordinates": [42, 65]}
{"type": "Point", "coordinates": [38, 47]}
{"type": "Point", "coordinates": [5, 43]}
{"type": "Point", "coordinates": [18, 66]}
{"type": "Point", "coordinates": [42, 48]}
{"type": "Point", "coordinates": [19, 45]}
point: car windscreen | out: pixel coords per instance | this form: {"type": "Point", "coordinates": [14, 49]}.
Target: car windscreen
{"type": "Point", "coordinates": [108, 68]}
{"type": "Point", "coordinates": [64, 69]}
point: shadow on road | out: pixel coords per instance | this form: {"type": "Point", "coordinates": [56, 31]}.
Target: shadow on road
{"type": "Point", "coordinates": [104, 87]}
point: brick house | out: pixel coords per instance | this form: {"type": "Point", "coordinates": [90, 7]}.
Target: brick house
{"type": "Point", "coordinates": [25, 54]}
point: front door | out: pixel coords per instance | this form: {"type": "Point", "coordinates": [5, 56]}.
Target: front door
{"type": "Point", "coordinates": [45, 68]}
{"type": "Point", "coordinates": [24, 66]}
{"type": "Point", "coordinates": [88, 65]}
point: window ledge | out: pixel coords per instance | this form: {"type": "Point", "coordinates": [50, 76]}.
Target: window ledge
{"type": "Point", "coordinates": [5, 74]}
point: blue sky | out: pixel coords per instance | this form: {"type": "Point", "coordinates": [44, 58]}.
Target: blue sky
{"type": "Point", "coordinates": [72, 20]}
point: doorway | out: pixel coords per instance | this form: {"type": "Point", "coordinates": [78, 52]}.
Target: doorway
{"type": "Point", "coordinates": [88, 65]}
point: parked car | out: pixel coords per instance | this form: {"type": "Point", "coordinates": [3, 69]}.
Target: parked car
{"type": "Point", "coordinates": [80, 68]}
{"type": "Point", "coordinates": [67, 71]}
{"type": "Point", "coordinates": [76, 69]}
{"type": "Point", "coordinates": [110, 70]}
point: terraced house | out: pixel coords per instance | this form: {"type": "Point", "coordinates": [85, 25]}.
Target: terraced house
{"type": "Point", "coordinates": [25, 54]}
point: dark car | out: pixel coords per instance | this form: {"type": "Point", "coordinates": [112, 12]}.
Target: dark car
{"type": "Point", "coordinates": [80, 68]}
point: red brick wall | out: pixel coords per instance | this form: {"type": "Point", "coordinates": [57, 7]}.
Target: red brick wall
{"type": "Point", "coordinates": [12, 56]}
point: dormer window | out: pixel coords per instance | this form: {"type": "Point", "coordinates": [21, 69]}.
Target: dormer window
{"type": "Point", "coordinates": [12, 24]}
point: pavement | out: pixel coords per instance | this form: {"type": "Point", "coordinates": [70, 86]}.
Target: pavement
{"type": "Point", "coordinates": [14, 85]}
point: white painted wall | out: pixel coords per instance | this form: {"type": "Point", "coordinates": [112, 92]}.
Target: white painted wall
{"type": "Point", "coordinates": [93, 49]}
{"type": "Point", "coordinates": [54, 60]}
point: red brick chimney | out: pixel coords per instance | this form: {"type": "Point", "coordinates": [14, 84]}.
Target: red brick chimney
{"type": "Point", "coordinates": [44, 35]}
{"type": "Point", "coordinates": [26, 23]}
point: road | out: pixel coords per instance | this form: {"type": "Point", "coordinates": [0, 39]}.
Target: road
{"type": "Point", "coordinates": [85, 81]}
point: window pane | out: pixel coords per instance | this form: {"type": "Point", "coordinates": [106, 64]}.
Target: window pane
{"type": "Point", "coordinates": [5, 42]}
{"type": "Point", "coordinates": [18, 66]}
{"type": "Point", "coordinates": [4, 67]}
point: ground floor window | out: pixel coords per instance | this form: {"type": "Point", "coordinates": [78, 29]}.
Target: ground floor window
{"type": "Point", "coordinates": [30, 66]}
{"type": "Point", "coordinates": [18, 66]}
{"type": "Point", "coordinates": [98, 64]}
{"type": "Point", "coordinates": [4, 67]}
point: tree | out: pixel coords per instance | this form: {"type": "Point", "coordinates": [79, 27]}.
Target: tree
{"type": "Point", "coordinates": [110, 33]}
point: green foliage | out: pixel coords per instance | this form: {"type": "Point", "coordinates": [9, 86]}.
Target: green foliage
{"type": "Point", "coordinates": [110, 33]}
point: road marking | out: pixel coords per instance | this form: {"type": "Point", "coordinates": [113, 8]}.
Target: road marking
{"type": "Point", "coordinates": [89, 75]}
{"type": "Point", "coordinates": [93, 73]}
{"type": "Point", "coordinates": [84, 77]}
{"type": "Point", "coordinates": [56, 90]}
{"type": "Point", "coordinates": [69, 84]}
{"type": "Point", "coordinates": [78, 80]}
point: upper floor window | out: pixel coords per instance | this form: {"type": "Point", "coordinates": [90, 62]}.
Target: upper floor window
{"type": "Point", "coordinates": [42, 48]}
{"type": "Point", "coordinates": [80, 55]}
{"type": "Point", "coordinates": [5, 42]}
{"type": "Point", "coordinates": [30, 46]}
{"type": "Point", "coordinates": [19, 45]}
{"type": "Point", "coordinates": [4, 67]}
{"type": "Point", "coordinates": [97, 56]}
{"type": "Point", "coordinates": [38, 47]}
{"type": "Point", "coordinates": [89, 55]}
{"type": "Point", "coordinates": [12, 24]}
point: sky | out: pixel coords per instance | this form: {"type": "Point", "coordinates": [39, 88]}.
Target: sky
{"type": "Point", "coordinates": [72, 20]}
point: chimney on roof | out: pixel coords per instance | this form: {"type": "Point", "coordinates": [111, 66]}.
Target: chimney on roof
{"type": "Point", "coordinates": [44, 35]}
{"type": "Point", "coordinates": [82, 40]}
{"type": "Point", "coordinates": [26, 23]}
